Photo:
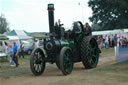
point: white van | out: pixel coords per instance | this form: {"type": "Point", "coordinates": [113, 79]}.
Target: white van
{"type": "Point", "coordinates": [3, 49]}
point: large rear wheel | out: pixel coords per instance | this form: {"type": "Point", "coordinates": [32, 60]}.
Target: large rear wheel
{"type": "Point", "coordinates": [89, 52]}
{"type": "Point", "coordinates": [66, 60]}
{"type": "Point", "coordinates": [37, 63]}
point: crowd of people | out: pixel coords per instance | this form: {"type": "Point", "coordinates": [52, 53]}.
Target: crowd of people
{"type": "Point", "coordinates": [106, 41]}
{"type": "Point", "coordinates": [16, 51]}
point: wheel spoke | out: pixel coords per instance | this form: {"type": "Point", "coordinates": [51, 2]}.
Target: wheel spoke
{"type": "Point", "coordinates": [92, 62]}
{"type": "Point", "coordinates": [36, 66]}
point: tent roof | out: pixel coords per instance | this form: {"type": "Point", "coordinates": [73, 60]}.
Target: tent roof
{"type": "Point", "coordinates": [17, 32]}
{"type": "Point", "coordinates": [21, 34]}
{"type": "Point", "coordinates": [108, 32]}
{"type": "Point", "coordinates": [125, 30]}
{"type": "Point", "coordinates": [13, 37]}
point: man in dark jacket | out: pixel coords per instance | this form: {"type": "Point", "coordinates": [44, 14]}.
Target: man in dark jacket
{"type": "Point", "coordinates": [21, 53]}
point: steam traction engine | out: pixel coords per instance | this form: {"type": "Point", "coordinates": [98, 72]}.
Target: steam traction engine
{"type": "Point", "coordinates": [65, 48]}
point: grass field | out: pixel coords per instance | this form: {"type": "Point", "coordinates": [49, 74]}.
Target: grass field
{"type": "Point", "coordinates": [110, 74]}
{"type": "Point", "coordinates": [6, 71]}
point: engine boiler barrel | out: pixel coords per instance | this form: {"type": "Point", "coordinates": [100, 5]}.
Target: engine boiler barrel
{"type": "Point", "coordinates": [51, 17]}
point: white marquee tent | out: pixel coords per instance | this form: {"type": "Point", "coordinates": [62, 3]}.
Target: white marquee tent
{"type": "Point", "coordinates": [108, 32]}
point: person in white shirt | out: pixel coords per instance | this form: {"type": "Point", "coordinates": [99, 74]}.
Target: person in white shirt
{"type": "Point", "coordinates": [106, 42]}
{"type": "Point", "coordinates": [36, 44]}
{"type": "Point", "coordinates": [118, 41]}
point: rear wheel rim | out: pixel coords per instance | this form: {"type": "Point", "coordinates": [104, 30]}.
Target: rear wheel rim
{"type": "Point", "coordinates": [93, 52]}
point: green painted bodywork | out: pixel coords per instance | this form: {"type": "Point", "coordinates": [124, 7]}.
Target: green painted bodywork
{"type": "Point", "coordinates": [75, 42]}
{"type": "Point", "coordinates": [71, 44]}
{"type": "Point", "coordinates": [68, 43]}
{"type": "Point", "coordinates": [77, 39]}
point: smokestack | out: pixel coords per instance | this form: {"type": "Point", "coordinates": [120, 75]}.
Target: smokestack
{"type": "Point", "coordinates": [51, 17]}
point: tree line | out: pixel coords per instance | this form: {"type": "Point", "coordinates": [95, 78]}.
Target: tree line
{"type": "Point", "coordinates": [4, 26]}
{"type": "Point", "coordinates": [109, 14]}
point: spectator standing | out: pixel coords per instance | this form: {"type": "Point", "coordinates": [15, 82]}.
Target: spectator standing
{"type": "Point", "coordinates": [106, 42]}
{"type": "Point", "coordinates": [11, 55]}
{"type": "Point", "coordinates": [21, 50]}
{"type": "Point", "coordinates": [6, 47]}
{"type": "Point", "coordinates": [123, 41]}
{"type": "Point", "coordinates": [110, 40]}
{"type": "Point", "coordinates": [88, 30]}
{"type": "Point", "coordinates": [15, 54]}
{"type": "Point", "coordinates": [118, 41]}
{"type": "Point", "coordinates": [36, 44]}
{"type": "Point", "coordinates": [115, 40]}
{"type": "Point", "coordinates": [100, 42]}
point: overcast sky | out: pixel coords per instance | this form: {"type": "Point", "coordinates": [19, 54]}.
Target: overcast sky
{"type": "Point", "coordinates": [32, 15]}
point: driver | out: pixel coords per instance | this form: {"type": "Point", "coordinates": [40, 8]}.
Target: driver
{"type": "Point", "coordinates": [87, 29]}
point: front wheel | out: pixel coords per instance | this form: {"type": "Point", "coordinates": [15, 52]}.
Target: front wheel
{"type": "Point", "coordinates": [66, 60]}
{"type": "Point", "coordinates": [37, 63]}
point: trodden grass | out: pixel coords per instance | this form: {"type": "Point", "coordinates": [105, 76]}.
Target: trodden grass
{"type": "Point", "coordinates": [116, 74]}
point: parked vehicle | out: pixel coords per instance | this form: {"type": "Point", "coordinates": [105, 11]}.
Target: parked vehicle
{"type": "Point", "coordinates": [28, 46]}
{"type": "Point", "coordinates": [3, 50]}
{"type": "Point", "coordinates": [28, 50]}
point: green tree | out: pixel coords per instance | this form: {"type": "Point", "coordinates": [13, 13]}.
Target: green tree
{"type": "Point", "coordinates": [110, 14]}
{"type": "Point", "coordinates": [3, 24]}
